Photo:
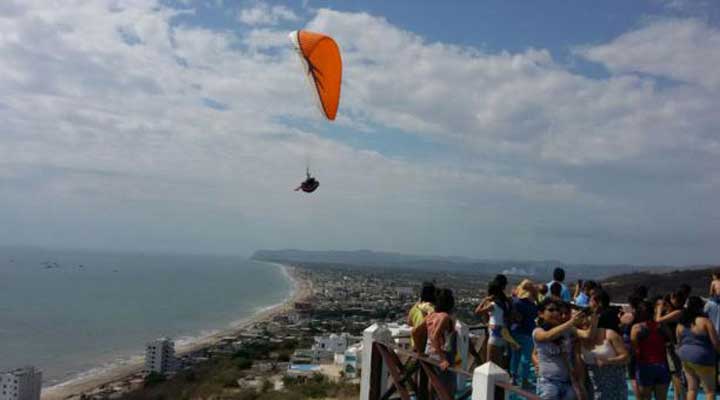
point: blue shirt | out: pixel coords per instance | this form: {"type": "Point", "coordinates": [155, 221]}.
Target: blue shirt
{"type": "Point", "coordinates": [696, 349]}
{"type": "Point", "coordinates": [712, 309]}
{"type": "Point", "coordinates": [528, 311]}
{"type": "Point", "coordinates": [564, 293]}
{"type": "Point", "coordinates": [582, 300]}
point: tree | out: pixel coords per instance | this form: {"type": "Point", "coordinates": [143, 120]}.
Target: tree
{"type": "Point", "coordinates": [154, 378]}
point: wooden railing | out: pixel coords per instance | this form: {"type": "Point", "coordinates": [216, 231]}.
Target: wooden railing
{"type": "Point", "coordinates": [394, 372]}
{"type": "Point", "coordinates": [417, 375]}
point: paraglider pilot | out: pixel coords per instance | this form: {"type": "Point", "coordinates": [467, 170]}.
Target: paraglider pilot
{"type": "Point", "coordinates": [309, 184]}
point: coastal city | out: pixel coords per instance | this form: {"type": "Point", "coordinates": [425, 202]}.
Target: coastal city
{"type": "Point", "coordinates": [359, 200]}
{"type": "Point", "coordinates": [316, 333]}
{"type": "Point", "coordinates": [314, 344]}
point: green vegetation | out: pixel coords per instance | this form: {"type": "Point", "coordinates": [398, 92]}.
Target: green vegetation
{"type": "Point", "coordinates": [217, 378]}
{"type": "Point", "coordinates": [153, 379]}
{"type": "Point", "coordinates": [243, 363]}
{"type": "Point", "coordinates": [318, 386]}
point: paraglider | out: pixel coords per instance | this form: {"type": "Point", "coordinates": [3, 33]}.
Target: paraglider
{"type": "Point", "coordinates": [309, 184]}
{"type": "Point", "coordinates": [322, 65]}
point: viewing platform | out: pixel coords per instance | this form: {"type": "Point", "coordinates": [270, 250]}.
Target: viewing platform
{"type": "Point", "coordinates": [392, 372]}
{"type": "Point", "coordinates": [389, 371]}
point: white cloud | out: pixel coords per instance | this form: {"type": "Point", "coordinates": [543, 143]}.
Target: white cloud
{"type": "Point", "coordinates": [682, 49]}
{"type": "Point", "coordinates": [262, 38]}
{"type": "Point", "coordinates": [114, 136]}
{"type": "Point", "coordinates": [674, 4]}
{"type": "Point", "coordinates": [698, 7]}
{"type": "Point", "coordinates": [264, 14]}
{"type": "Point", "coordinates": [520, 104]}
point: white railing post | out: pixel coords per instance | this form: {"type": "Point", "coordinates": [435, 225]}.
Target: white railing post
{"type": "Point", "coordinates": [484, 379]}
{"type": "Point", "coordinates": [463, 350]}
{"type": "Point", "coordinates": [371, 334]}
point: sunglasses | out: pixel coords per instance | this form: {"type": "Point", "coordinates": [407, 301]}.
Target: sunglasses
{"type": "Point", "coordinates": [552, 309]}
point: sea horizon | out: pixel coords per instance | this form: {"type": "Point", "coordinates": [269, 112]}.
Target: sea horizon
{"type": "Point", "coordinates": [75, 314]}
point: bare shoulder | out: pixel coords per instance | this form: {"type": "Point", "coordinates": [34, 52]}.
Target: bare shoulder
{"type": "Point", "coordinates": [611, 334]}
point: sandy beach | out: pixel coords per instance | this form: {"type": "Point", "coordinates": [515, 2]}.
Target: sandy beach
{"type": "Point", "coordinates": [85, 384]}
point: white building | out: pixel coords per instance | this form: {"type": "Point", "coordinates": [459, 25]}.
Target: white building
{"type": "Point", "coordinates": [160, 356]}
{"type": "Point", "coordinates": [352, 361]}
{"type": "Point", "coordinates": [405, 292]}
{"type": "Point", "coordinates": [20, 384]}
{"type": "Point", "coordinates": [298, 317]}
{"type": "Point", "coordinates": [331, 344]}
{"type": "Point", "coordinates": [401, 335]}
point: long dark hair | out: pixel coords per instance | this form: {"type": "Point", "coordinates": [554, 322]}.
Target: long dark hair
{"type": "Point", "coordinates": [495, 289]}
{"type": "Point", "coordinates": [695, 308]}
{"type": "Point", "coordinates": [444, 301]}
{"type": "Point", "coordinates": [644, 312]}
{"type": "Point", "coordinates": [427, 293]}
{"type": "Point", "coordinates": [502, 280]}
{"type": "Point", "coordinates": [678, 297]}
{"type": "Point", "coordinates": [602, 297]}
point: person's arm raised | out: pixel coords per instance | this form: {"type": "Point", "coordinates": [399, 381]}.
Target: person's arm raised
{"type": "Point", "coordinates": [542, 335]}
{"type": "Point", "coordinates": [483, 308]}
{"type": "Point", "coordinates": [672, 316]}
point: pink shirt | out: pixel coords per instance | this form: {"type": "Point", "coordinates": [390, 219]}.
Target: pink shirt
{"type": "Point", "coordinates": [436, 322]}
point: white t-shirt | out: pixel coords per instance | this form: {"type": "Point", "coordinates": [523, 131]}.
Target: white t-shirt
{"type": "Point", "coordinates": [497, 315]}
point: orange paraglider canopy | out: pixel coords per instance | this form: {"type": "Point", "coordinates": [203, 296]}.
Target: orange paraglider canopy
{"type": "Point", "coordinates": [323, 66]}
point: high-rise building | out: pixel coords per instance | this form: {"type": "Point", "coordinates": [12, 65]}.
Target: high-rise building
{"type": "Point", "coordinates": [21, 384]}
{"type": "Point", "coordinates": [160, 356]}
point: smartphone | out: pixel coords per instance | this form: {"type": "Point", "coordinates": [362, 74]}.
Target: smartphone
{"type": "Point", "coordinates": [582, 310]}
{"type": "Point", "coordinates": [586, 311]}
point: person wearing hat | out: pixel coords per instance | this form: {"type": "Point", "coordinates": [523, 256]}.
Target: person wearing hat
{"type": "Point", "coordinates": [524, 313]}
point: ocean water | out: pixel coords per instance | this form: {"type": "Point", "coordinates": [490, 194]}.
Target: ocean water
{"type": "Point", "coordinates": [69, 312]}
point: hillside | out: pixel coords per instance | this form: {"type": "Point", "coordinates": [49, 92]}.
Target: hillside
{"type": "Point", "coordinates": [538, 270]}
{"type": "Point", "coordinates": [620, 286]}
{"type": "Point", "coordinates": [368, 258]}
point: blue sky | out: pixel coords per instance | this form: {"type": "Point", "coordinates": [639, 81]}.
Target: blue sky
{"type": "Point", "coordinates": [579, 131]}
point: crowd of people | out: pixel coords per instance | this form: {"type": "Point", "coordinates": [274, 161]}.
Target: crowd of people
{"type": "Point", "coordinates": [578, 344]}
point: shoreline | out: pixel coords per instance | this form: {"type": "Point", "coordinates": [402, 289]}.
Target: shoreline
{"type": "Point", "coordinates": [88, 381]}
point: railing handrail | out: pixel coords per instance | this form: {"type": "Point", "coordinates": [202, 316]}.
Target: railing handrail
{"type": "Point", "coordinates": [403, 336]}
{"type": "Point", "coordinates": [504, 385]}
{"type": "Point", "coordinates": [476, 327]}
{"type": "Point", "coordinates": [426, 359]}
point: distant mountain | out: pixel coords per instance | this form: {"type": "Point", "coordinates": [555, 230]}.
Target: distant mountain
{"type": "Point", "coordinates": [538, 270]}
{"type": "Point", "coordinates": [621, 286]}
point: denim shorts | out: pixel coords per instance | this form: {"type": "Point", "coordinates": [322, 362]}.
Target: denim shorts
{"type": "Point", "coordinates": [551, 389]}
